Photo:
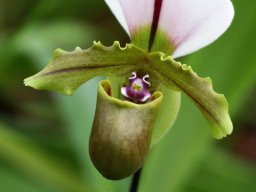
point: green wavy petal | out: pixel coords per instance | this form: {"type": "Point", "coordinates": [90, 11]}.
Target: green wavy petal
{"type": "Point", "coordinates": [214, 106]}
{"type": "Point", "coordinates": [66, 71]}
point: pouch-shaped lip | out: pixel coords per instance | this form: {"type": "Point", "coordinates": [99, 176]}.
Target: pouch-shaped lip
{"type": "Point", "coordinates": [105, 90]}
{"type": "Point", "coordinates": [121, 133]}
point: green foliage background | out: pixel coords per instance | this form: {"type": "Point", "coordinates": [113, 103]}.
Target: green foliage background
{"type": "Point", "coordinates": [44, 136]}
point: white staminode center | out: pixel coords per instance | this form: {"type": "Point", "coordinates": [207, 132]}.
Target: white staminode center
{"type": "Point", "coordinates": [137, 85]}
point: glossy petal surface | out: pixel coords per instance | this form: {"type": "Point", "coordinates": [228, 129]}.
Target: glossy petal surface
{"type": "Point", "coordinates": [193, 24]}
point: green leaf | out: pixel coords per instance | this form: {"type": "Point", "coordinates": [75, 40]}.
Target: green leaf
{"type": "Point", "coordinates": [30, 159]}
{"type": "Point", "coordinates": [219, 172]}
{"type": "Point", "coordinates": [68, 70]}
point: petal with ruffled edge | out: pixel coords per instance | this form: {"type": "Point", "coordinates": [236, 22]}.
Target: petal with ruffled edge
{"type": "Point", "coordinates": [194, 24]}
{"type": "Point", "coordinates": [132, 14]}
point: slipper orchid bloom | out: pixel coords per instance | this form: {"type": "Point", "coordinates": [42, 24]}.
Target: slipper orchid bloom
{"type": "Point", "coordinates": [139, 102]}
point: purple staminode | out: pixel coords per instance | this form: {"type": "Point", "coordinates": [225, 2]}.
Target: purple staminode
{"type": "Point", "coordinates": [137, 90]}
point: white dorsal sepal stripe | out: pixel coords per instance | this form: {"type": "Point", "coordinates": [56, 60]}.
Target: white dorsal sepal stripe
{"type": "Point", "coordinates": [132, 14]}
{"type": "Point", "coordinates": [193, 24]}
{"type": "Point", "coordinates": [189, 24]}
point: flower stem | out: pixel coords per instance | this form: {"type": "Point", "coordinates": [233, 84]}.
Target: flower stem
{"type": "Point", "coordinates": [135, 181]}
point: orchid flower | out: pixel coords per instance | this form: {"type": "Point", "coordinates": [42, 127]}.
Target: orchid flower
{"type": "Point", "coordinates": [139, 101]}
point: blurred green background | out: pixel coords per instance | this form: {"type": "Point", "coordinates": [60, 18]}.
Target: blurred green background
{"type": "Point", "coordinates": [44, 136]}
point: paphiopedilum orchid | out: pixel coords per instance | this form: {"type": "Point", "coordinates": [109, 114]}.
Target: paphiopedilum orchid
{"type": "Point", "coordinates": [144, 101]}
